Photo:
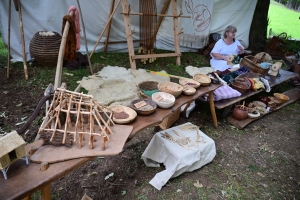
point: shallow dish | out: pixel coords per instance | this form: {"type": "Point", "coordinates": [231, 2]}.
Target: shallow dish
{"type": "Point", "coordinates": [282, 97]}
{"type": "Point", "coordinates": [203, 79]}
{"type": "Point", "coordinates": [254, 114]}
{"type": "Point", "coordinates": [170, 87]}
{"type": "Point", "coordinates": [188, 90]}
{"type": "Point", "coordinates": [149, 108]}
{"type": "Point", "coordinates": [189, 82]}
{"type": "Point", "coordinates": [118, 110]}
{"type": "Point", "coordinates": [259, 104]}
{"type": "Point", "coordinates": [163, 99]}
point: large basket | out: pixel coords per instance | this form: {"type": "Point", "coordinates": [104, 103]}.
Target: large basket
{"type": "Point", "coordinates": [247, 61]}
{"type": "Point", "coordinates": [45, 49]}
{"type": "Point", "coordinates": [147, 88]}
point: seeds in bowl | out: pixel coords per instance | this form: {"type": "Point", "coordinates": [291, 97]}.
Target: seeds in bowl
{"type": "Point", "coordinates": [121, 115]}
{"type": "Point", "coordinates": [146, 108]}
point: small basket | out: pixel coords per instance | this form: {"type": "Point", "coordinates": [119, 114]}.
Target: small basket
{"type": "Point", "coordinates": [150, 86]}
{"type": "Point", "coordinates": [203, 79]}
{"type": "Point", "coordinates": [247, 61]}
{"type": "Point", "coordinates": [169, 87]}
{"type": "Point", "coordinates": [242, 87]}
{"type": "Point", "coordinates": [45, 49]}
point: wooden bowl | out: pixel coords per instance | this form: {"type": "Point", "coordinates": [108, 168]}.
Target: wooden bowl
{"type": "Point", "coordinates": [203, 79]}
{"type": "Point", "coordinates": [189, 82]}
{"type": "Point", "coordinates": [170, 87]}
{"type": "Point", "coordinates": [117, 109]}
{"type": "Point", "coordinates": [163, 99]}
{"type": "Point", "coordinates": [275, 100]}
{"type": "Point", "coordinates": [188, 90]}
{"type": "Point", "coordinates": [259, 104]}
{"type": "Point", "coordinates": [282, 97]}
{"type": "Point", "coordinates": [144, 110]}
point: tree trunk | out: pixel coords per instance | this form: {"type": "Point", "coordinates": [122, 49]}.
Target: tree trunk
{"type": "Point", "coordinates": [258, 30]}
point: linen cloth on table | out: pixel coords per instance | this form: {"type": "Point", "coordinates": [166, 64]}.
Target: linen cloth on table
{"type": "Point", "coordinates": [178, 159]}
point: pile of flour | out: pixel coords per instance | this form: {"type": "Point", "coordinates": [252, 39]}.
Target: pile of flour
{"type": "Point", "coordinates": [115, 85]}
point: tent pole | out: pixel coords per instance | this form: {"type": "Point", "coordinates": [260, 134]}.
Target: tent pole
{"type": "Point", "coordinates": [8, 39]}
{"type": "Point", "coordinates": [105, 28]}
{"type": "Point", "coordinates": [86, 47]}
{"type": "Point", "coordinates": [61, 54]}
{"type": "Point", "coordinates": [108, 30]}
{"type": "Point", "coordinates": [23, 40]}
{"type": "Point", "coordinates": [176, 34]}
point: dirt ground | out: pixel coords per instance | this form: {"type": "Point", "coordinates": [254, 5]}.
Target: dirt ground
{"type": "Point", "coordinates": [262, 161]}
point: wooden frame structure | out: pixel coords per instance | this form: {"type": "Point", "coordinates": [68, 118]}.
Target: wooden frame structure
{"type": "Point", "coordinates": [73, 114]}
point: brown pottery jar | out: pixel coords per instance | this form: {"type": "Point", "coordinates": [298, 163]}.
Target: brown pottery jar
{"type": "Point", "coordinates": [240, 112]}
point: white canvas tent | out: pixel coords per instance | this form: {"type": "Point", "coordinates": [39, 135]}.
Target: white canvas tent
{"type": "Point", "coordinates": [47, 15]}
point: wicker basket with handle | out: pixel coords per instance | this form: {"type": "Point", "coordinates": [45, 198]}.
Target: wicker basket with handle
{"type": "Point", "coordinates": [247, 61]}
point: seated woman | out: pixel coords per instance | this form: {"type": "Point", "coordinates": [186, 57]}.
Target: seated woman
{"type": "Point", "coordinates": [225, 47]}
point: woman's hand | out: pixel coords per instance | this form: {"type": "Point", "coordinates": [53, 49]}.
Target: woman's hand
{"type": "Point", "coordinates": [241, 49]}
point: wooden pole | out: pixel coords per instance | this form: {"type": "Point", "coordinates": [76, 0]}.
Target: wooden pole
{"type": "Point", "coordinates": [86, 47]}
{"type": "Point", "coordinates": [61, 54]}
{"type": "Point", "coordinates": [108, 30]}
{"type": "Point", "coordinates": [162, 17]}
{"type": "Point", "coordinates": [8, 39]}
{"type": "Point", "coordinates": [105, 27]}
{"type": "Point", "coordinates": [176, 35]}
{"type": "Point", "coordinates": [23, 40]}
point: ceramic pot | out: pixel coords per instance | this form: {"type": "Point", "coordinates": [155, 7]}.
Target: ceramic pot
{"type": "Point", "coordinates": [240, 112]}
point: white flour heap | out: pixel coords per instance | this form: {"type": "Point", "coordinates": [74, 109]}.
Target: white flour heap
{"type": "Point", "coordinates": [117, 85]}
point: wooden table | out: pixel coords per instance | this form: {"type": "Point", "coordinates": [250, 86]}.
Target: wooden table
{"type": "Point", "coordinates": [274, 81]}
{"type": "Point", "coordinates": [24, 179]}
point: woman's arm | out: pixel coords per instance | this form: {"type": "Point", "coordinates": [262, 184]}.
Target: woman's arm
{"type": "Point", "coordinates": [219, 56]}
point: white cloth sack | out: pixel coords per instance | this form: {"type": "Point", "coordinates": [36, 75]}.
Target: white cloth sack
{"type": "Point", "coordinates": [177, 159]}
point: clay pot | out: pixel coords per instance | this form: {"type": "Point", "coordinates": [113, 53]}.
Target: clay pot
{"type": "Point", "coordinates": [240, 112]}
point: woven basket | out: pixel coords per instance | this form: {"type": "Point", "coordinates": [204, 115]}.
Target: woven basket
{"type": "Point", "coordinates": [169, 87]}
{"type": "Point", "coordinates": [147, 86]}
{"type": "Point", "coordinates": [45, 49]}
{"type": "Point", "coordinates": [242, 87]}
{"type": "Point", "coordinates": [247, 61]}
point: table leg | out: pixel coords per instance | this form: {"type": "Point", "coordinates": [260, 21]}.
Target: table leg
{"type": "Point", "coordinates": [46, 192]}
{"type": "Point", "coordinates": [212, 108]}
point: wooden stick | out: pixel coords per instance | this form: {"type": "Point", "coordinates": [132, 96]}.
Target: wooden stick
{"type": "Point", "coordinates": [8, 39]}
{"type": "Point", "coordinates": [23, 40]}
{"type": "Point", "coordinates": [162, 15]}
{"type": "Point", "coordinates": [60, 58]}
{"type": "Point", "coordinates": [86, 47]}
{"type": "Point", "coordinates": [104, 139]}
{"type": "Point", "coordinates": [108, 30]}
{"type": "Point", "coordinates": [44, 166]}
{"type": "Point", "coordinates": [107, 23]}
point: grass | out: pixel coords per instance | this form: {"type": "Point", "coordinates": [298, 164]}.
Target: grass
{"type": "Point", "coordinates": [282, 19]}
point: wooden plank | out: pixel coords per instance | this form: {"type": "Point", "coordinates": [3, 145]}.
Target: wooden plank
{"type": "Point", "coordinates": [161, 15]}
{"type": "Point", "coordinates": [164, 9]}
{"type": "Point", "coordinates": [293, 94]}
{"type": "Point", "coordinates": [155, 55]}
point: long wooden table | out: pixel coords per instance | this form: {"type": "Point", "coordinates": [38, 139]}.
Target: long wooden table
{"type": "Point", "coordinates": [24, 179]}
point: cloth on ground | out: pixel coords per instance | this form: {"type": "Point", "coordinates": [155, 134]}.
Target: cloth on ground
{"type": "Point", "coordinates": [176, 158]}
{"type": "Point", "coordinates": [222, 48]}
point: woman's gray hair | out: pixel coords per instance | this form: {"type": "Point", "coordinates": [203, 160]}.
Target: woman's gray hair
{"type": "Point", "coordinates": [229, 29]}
